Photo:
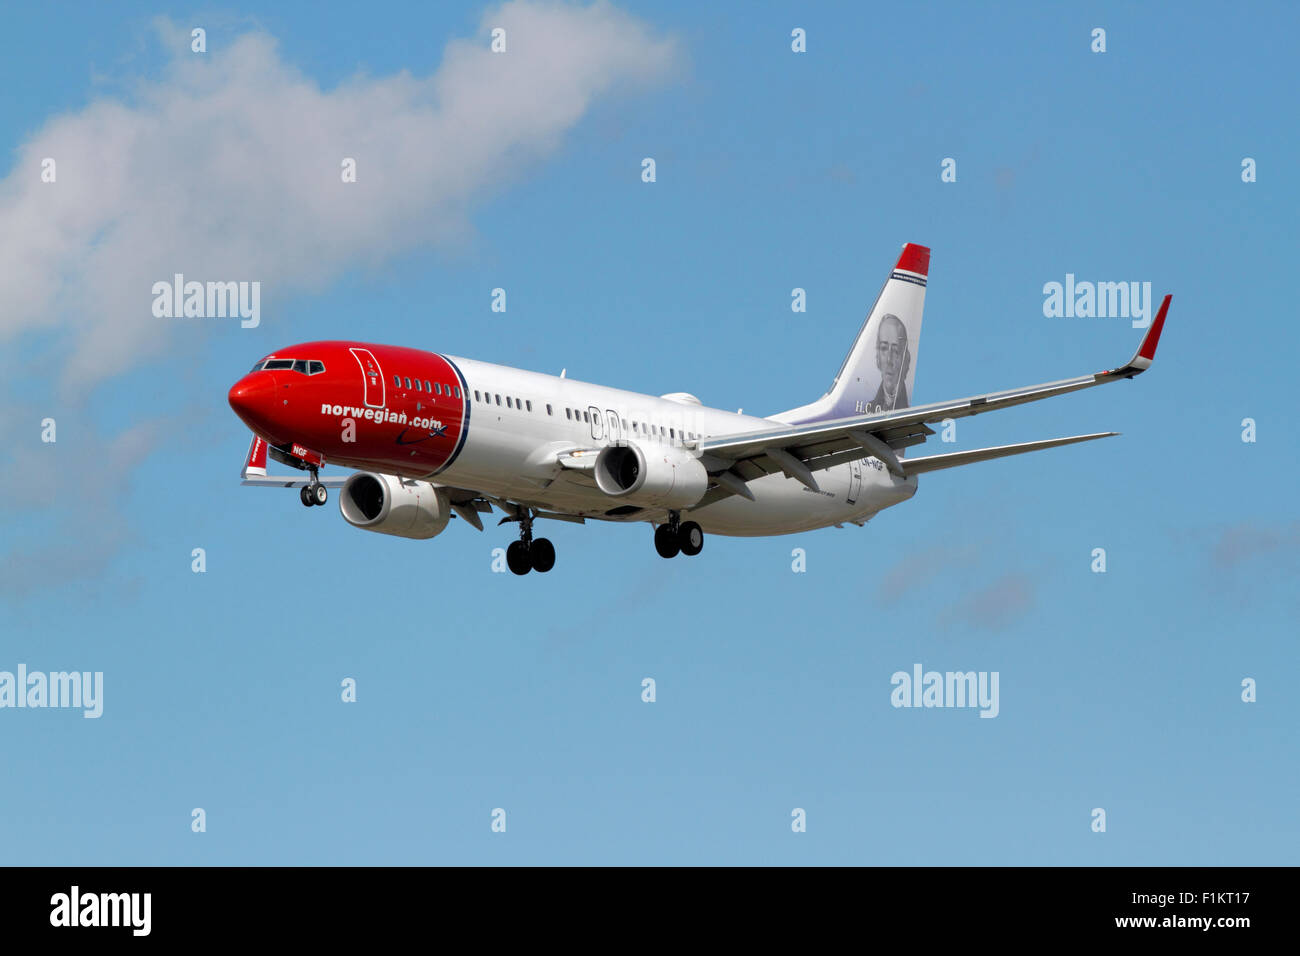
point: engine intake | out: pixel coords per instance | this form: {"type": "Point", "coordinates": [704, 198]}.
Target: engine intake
{"type": "Point", "coordinates": [391, 505]}
{"type": "Point", "coordinates": [654, 477]}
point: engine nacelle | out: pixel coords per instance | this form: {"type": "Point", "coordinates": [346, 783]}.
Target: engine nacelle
{"type": "Point", "coordinates": [652, 477]}
{"type": "Point", "coordinates": [392, 505]}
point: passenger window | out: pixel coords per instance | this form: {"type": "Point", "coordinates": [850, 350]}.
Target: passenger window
{"type": "Point", "coordinates": [568, 413]}
{"type": "Point", "coordinates": [548, 408]}
{"type": "Point", "coordinates": [397, 380]}
{"type": "Point", "coordinates": [498, 399]}
{"type": "Point", "coordinates": [408, 381]}
{"type": "Point", "coordinates": [508, 405]}
{"type": "Point", "coordinates": [417, 385]}
{"type": "Point", "coordinates": [530, 404]}
{"type": "Point", "coordinates": [427, 387]}
{"type": "Point", "coordinates": [437, 388]}
{"type": "Point", "coordinates": [458, 391]}
{"type": "Point", "coordinates": [476, 396]}
{"type": "Point", "coordinates": [586, 417]}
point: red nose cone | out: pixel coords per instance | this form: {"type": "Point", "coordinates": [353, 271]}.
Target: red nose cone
{"type": "Point", "coordinates": [253, 399]}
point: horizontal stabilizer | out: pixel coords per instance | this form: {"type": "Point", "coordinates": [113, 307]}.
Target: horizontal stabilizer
{"type": "Point", "coordinates": [917, 466]}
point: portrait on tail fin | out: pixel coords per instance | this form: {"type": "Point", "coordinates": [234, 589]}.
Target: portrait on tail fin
{"type": "Point", "coordinates": [893, 361]}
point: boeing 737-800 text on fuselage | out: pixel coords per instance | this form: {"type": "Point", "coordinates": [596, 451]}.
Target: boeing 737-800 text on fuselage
{"type": "Point", "coordinates": [433, 435]}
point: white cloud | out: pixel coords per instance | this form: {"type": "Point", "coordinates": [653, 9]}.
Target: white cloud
{"type": "Point", "coordinates": [75, 487]}
{"type": "Point", "coordinates": [228, 168]}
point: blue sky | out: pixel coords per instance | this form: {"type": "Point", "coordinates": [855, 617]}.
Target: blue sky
{"type": "Point", "coordinates": [775, 170]}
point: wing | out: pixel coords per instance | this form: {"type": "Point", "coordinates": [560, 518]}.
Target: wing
{"type": "Point", "coordinates": [801, 450]}
{"type": "Point", "coordinates": [254, 472]}
{"type": "Point", "coordinates": [467, 503]}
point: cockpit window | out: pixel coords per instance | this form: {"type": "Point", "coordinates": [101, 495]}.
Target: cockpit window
{"type": "Point", "coordinates": [305, 366]}
{"type": "Point", "coordinates": [257, 366]}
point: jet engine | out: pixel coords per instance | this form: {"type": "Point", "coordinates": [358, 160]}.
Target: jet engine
{"type": "Point", "coordinates": [654, 477]}
{"type": "Point", "coordinates": [392, 505]}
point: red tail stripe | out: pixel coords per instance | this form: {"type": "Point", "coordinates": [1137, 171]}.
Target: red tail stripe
{"type": "Point", "coordinates": [915, 259]}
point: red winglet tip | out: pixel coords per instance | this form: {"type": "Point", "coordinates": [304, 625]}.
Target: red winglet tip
{"type": "Point", "coordinates": [915, 259]}
{"type": "Point", "coordinates": [1152, 338]}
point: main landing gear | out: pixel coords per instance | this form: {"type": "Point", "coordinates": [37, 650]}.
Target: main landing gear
{"type": "Point", "coordinates": [678, 536]}
{"type": "Point", "coordinates": [314, 493]}
{"type": "Point", "coordinates": [529, 553]}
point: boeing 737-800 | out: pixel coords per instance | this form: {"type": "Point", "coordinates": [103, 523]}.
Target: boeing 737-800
{"type": "Point", "coordinates": [433, 435]}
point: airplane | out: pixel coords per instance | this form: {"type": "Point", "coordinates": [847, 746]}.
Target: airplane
{"type": "Point", "coordinates": [431, 436]}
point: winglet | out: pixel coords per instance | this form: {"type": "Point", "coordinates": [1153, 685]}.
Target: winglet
{"type": "Point", "coordinates": [1146, 353]}
{"type": "Point", "coordinates": [255, 463]}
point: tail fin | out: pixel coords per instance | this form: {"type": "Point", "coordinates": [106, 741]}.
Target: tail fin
{"type": "Point", "coordinates": [879, 371]}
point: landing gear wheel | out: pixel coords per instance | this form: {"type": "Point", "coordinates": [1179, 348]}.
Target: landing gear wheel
{"type": "Point", "coordinates": [319, 494]}
{"type": "Point", "coordinates": [666, 542]}
{"type": "Point", "coordinates": [305, 496]}
{"type": "Point", "coordinates": [517, 558]}
{"type": "Point", "coordinates": [690, 538]}
{"type": "Point", "coordinates": [542, 555]}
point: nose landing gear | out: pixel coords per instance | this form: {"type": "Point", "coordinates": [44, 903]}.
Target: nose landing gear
{"type": "Point", "coordinates": [314, 493]}
{"type": "Point", "coordinates": [678, 537]}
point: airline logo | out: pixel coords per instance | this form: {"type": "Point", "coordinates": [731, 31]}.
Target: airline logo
{"type": "Point", "coordinates": [430, 428]}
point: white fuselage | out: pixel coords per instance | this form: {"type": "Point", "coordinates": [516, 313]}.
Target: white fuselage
{"type": "Point", "coordinates": [510, 453]}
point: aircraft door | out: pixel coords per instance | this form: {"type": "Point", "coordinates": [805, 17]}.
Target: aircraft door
{"type": "Point", "coordinates": [597, 426]}
{"type": "Point", "coordinates": [855, 482]}
{"type": "Point", "coordinates": [373, 376]}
